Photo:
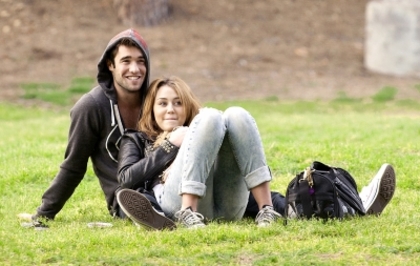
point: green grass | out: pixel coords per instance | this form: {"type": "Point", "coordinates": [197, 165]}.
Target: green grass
{"type": "Point", "coordinates": [55, 94]}
{"type": "Point", "coordinates": [385, 94]}
{"type": "Point", "coordinates": [349, 134]}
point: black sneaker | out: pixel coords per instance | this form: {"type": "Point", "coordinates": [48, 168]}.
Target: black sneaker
{"type": "Point", "coordinates": [380, 190]}
{"type": "Point", "coordinates": [139, 209]}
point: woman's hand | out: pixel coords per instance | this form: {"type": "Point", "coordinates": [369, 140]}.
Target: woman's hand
{"type": "Point", "coordinates": [177, 135]}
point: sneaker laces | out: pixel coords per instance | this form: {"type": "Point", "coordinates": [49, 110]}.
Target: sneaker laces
{"type": "Point", "coordinates": [266, 216]}
{"type": "Point", "coordinates": [190, 218]}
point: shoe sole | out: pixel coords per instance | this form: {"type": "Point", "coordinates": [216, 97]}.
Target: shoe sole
{"type": "Point", "coordinates": [386, 191]}
{"type": "Point", "coordinates": [139, 209]}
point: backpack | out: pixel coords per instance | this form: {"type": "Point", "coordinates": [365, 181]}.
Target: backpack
{"type": "Point", "coordinates": [324, 192]}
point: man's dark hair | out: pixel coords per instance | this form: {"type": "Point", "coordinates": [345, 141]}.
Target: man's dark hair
{"type": "Point", "coordinates": [122, 42]}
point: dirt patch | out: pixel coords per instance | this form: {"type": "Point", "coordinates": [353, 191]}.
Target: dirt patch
{"type": "Point", "coordinates": [225, 49]}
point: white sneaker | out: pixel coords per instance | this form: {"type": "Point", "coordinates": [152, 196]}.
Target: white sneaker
{"type": "Point", "coordinates": [190, 218]}
{"type": "Point", "coordinates": [380, 190]}
{"type": "Point", "coordinates": [267, 216]}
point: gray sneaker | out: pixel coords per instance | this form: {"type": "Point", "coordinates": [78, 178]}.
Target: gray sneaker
{"type": "Point", "coordinates": [189, 218]}
{"type": "Point", "coordinates": [139, 209]}
{"type": "Point", "coordinates": [267, 216]}
{"type": "Point", "coordinates": [380, 190]}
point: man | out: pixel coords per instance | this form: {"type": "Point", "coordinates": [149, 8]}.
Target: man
{"type": "Point", "coordinates": [98, 121]}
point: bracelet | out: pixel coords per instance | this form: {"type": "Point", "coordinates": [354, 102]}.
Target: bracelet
{"type": "Point", "coordinates": [167, 146]}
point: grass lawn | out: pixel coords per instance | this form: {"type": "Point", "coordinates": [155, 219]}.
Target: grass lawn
{"type": "Point", "coordinates": [353, 134]}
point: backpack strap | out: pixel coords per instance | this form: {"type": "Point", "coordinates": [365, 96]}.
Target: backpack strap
{"type": "Point", "coordinates": [305, 198]}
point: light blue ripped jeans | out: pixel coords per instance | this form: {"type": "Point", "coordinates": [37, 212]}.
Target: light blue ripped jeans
{"type": "Point", "coordinates": [220, 160]}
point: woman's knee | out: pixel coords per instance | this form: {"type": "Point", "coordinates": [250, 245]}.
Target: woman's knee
{"type": "Point", "coordinates": [236, 113]}
{"type": "Point", "coordinates": [208, 117]}
{"type": "Point", "coordinates": [238, 117]}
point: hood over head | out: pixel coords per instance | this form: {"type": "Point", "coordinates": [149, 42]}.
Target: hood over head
{"type": "Point", "coordinates": [104, 76]}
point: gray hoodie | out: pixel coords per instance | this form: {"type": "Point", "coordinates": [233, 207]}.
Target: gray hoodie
{"type": "Point", "coordinates": [95, 131]}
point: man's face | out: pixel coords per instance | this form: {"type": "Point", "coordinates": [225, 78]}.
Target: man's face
{"type": "Point", "coordinates": [129, 69]}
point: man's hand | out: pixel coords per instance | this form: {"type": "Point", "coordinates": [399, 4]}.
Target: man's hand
{"type": "Point", "coordinates": [32, 221]}
{"type": "Point", "coordinates": [25, 217]}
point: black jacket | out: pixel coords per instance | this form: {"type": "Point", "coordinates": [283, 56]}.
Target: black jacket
{"type": "Point", "coordinates": [138, 165]}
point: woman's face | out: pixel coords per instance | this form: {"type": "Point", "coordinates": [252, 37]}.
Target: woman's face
{"type": "Point", "coordinates": [168, 109]}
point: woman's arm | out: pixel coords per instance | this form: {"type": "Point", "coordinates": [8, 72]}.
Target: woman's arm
{"type": "Point", "coordinates": [134, 168]}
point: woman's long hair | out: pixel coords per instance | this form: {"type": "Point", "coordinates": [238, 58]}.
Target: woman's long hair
{"type": "Point", "coordinates": [190, 103]}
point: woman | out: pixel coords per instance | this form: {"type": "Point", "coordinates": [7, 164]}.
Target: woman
{"type": "Point", "coordinates": [199, 162]}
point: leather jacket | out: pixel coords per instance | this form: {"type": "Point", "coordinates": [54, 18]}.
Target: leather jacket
{"type": "Point", "coordinates": [139, 165]}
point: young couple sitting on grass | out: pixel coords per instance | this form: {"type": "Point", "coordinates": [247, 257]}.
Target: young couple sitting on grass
{"type": "Point", "coordinates": [161, 158]}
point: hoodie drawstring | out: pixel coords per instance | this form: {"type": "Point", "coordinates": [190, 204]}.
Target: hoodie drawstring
{"type": "Point", "coordinates": [115, 114]}
{"type": "Point", "coordinates": [112, 114]}
{"type": "Point", "coordinates": [119, 120]}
